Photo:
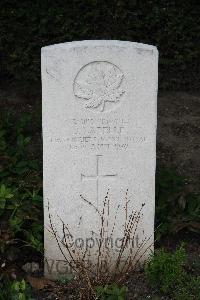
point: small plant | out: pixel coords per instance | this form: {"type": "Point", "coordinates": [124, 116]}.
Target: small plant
{"type": "Point", "coordinates": [20, 187]}
{"type": "Point", "coordinates": [176, 208]}
{"type": "Point", "coordinates": [111, 292]}
{"type": "Point", "coordinates": [5, 195]}
{"type": "Point", "coordinates": [16, 290]}
{"type": "Point", "coordinates": [165, 270]}
{"type": "Point", "coordinates": [188, 289]}
{"type": "Point", "coordinates": [65, 279]}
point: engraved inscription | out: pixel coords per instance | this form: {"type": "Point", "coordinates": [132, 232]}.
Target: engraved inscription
{"type": "Point", "coordinates": [101, 134]}
{"type": "Point", "coordinates": [97, 176]}
{"type": "Point", "coordinates": [100, 85]}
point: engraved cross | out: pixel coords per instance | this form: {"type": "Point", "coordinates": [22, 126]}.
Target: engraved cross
{"type": "Point", "coordinates": [98, 176]}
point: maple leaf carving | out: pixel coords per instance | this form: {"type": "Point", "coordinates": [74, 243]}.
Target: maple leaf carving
{"type": "Point", "coordinates": [100, 84]}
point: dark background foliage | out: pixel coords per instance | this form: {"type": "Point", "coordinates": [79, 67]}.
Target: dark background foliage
{"type": "Point", "coordinates": [173, 26]}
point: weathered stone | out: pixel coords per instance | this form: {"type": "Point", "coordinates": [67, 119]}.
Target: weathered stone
{"type": "Point", "coordinates": [99, 133]}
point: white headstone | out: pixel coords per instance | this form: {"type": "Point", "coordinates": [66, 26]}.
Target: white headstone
{"type": "Point", "coordinates": [99, 133]}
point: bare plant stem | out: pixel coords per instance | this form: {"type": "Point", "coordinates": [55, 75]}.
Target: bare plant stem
{"type": "Point", "coordinates": [103, 272]}
{"type": "Point", "coordinates": [55, 235]}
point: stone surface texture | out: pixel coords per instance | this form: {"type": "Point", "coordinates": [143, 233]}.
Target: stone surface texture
{"type": "Point", "coordinates": [99, 136]}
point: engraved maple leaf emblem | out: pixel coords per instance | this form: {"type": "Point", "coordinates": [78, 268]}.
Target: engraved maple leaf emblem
{"type": "Point", "coordinates": [99, 84]}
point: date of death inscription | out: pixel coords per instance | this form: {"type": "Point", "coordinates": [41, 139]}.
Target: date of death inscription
{"type": "Point", "coordinates": [99, 134]}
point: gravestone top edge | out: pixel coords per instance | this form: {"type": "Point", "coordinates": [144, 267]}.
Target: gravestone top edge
{"type": "Point", "coordinates": [101, 43]}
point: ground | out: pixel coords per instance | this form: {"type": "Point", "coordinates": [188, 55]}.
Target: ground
{"type": "Point", "coordinates": [178, 134]}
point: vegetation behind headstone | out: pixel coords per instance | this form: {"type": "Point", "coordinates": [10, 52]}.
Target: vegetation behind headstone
{"type": "Point", "coordinates": [173, 26]}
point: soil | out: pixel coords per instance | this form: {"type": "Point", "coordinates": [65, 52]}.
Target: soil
{"type": "Point", "coordinates": [178, 135]}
